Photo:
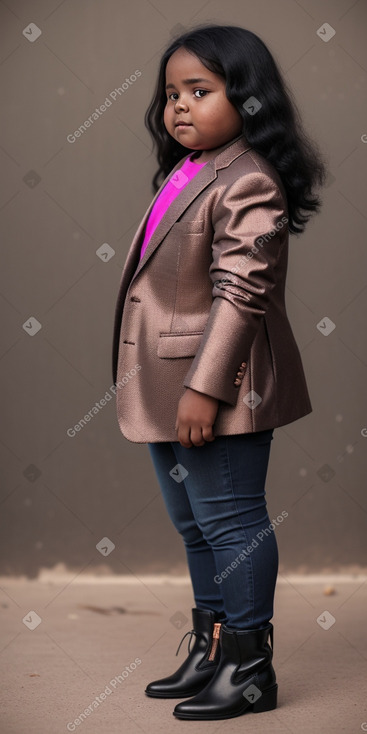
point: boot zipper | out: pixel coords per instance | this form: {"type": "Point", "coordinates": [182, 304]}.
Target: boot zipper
{"type": "Point", "coordinates": [217, 626]}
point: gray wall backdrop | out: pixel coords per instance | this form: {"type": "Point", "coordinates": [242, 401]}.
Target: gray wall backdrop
{"type": "Point", "coordinates": [68, 212]}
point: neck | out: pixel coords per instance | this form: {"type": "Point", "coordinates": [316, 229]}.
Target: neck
{"type": "Point", "coordinates": [208, 155]}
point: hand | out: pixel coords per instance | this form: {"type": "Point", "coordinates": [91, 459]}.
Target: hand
{"type": "Point", "coordinates": [196, 414]}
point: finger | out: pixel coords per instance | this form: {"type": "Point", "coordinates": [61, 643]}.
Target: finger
{"type": "Point", "coordinates": [185, 444]}
{"type": "Point", "coordinates": [208, 433]}
{"type": "Point", "coordinates": [196, 436]}
{"type": "Point", "coordinates": [184, 437]}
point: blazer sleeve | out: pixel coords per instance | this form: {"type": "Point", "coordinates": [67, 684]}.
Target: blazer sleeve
{"type": "Point", "coordinates": [243, 273]}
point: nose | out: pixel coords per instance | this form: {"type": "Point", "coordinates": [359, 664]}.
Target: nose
{"type": "Point", "coordinates": [180, 105]}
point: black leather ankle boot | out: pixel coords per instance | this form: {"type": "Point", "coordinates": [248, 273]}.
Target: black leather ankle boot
{"type": "Point", "coordinates": [199, 666]}
{"type": "Point", "coordinates": [244, 678]}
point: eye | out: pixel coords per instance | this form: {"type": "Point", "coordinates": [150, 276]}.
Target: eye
{"type": "Point", "coordinates": [175, 94]}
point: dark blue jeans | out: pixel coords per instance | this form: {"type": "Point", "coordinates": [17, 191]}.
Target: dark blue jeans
{"type": "Point", "coordinates": [215, 497]}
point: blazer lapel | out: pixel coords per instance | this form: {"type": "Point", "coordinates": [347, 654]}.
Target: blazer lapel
{"type": "Point", "coordinates": [203, 178]}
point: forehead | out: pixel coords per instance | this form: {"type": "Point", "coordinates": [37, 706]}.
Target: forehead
{"type": "Point", "coordinates": [183, 63]}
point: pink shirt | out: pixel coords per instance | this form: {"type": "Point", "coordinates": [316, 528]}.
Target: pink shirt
{"type": "Point", "coordinates": [172, 188]}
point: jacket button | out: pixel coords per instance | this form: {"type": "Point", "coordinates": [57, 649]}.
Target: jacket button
{"type": "Point", "coordinates": [243, 364]}
{"type": "Point", "coordinates": [237, 382]}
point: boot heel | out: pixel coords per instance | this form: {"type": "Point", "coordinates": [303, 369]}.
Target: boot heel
{"type": "Point", "coordinates": [267, 701]}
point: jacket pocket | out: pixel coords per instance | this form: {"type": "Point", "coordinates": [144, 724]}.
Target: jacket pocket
{"type": "Point", "coordinates": [172, 344]}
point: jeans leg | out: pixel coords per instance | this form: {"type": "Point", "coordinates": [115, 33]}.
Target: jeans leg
{"type": "Point", "coordinates": [225, 485]}
{"type": "Point", "coordinates": [199, 553]}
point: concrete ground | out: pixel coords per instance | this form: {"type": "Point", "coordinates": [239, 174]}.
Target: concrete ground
{"type": "Point", "coordinates": [72, 642]}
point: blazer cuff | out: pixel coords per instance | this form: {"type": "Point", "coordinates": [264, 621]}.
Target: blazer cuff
{"type": "Point", "coordinates": [227, 395]}
{"type": "Point", "coordinates": [222, 359]}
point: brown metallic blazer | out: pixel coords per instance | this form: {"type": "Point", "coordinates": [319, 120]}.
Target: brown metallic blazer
{"type": "Point", "coordinates": [204, 308]}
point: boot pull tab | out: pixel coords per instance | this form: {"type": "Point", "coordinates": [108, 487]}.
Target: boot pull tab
{"type": "Point", "coordinates": [217, 626]}
{"type": "Point", "coordinates": [190, 632]}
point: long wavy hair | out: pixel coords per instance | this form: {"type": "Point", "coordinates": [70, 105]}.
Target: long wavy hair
{"type": "Point", "coordinates": [276, 132]}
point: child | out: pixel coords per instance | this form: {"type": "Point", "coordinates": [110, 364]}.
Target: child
{"type": "Point", "coordinates": [204, 359]}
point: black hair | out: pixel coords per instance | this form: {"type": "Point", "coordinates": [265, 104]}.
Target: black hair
{"type": "Point", "coordinates": [275, 131]}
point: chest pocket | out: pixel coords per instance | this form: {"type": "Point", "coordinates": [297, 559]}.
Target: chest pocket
{"type": "Point", "coordinates": [184, 226]}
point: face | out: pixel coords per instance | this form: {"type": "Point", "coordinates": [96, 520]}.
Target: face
{"type": "Point", "coordinates": [197, 97]}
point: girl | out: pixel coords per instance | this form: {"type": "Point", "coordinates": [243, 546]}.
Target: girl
{"type": "Point", "coordinates": [204, 361]}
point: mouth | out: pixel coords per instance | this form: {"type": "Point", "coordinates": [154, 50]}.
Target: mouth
{"type": "Point", "coordinates": [182, 124]}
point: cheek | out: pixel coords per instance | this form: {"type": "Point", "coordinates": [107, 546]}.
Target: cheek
{"type": "Point", "coordinates": [166, 115]}
{"type": "Point", "coordinates": [229, 116]}
{"type": "Point", "coordinates": [215, 111]}
{"type": "Point", "coordinates": [215, 114]}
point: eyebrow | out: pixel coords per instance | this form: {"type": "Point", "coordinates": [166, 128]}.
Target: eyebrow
{"type": "Point", "coordinates": [189, 81]}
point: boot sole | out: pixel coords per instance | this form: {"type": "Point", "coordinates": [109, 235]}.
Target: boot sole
{"type": "Point", "coordinates": [266, 702]}
{"type": "Point", "coordinates": [176, 694]}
